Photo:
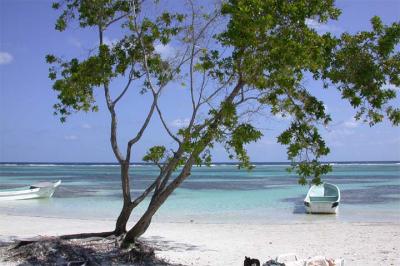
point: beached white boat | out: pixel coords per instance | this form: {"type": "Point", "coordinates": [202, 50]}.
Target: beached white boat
{"type": "Point", "coordinates": [35, 191]}
{"type": "Point", "coordinates": [323, 198]}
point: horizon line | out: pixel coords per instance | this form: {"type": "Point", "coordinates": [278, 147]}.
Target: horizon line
{"type": "Point", "coordinates": [218, 162]}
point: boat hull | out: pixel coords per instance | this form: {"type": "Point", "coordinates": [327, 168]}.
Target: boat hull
{"type": "Point", "coordinates": [321, 207]}
{"type": "Point", "coordinates": [32, 193]}
{"type": "Point", "coordinates": [322, 199]}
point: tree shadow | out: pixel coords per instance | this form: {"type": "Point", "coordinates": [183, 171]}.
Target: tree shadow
{"type": "Point", "coordinates": [298, 204]}
{"type": "Point", "coordinates": [98, 251]}
{"type": "Point", "coordinates": [160, 244]}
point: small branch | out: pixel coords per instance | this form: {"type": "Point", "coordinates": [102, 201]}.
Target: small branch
{"type": "Point", "coordinates": [126, 86]}
{"type": "Point", "coordinates": [115, 20]}
{"type": "Point", "coordinates": [146, 122]}
{"type": "Point", "coordinates": [202, 87]}
{"type": "Point", "coordinates": [147, 191]}
{"type": "Point", "coordinates": [192, 48]}
{"type": "Point", "coordinates": [110, 105]}
{"type": "Point", "coordinates": [186, 168]}
{"type": "Point", "coordinates": [165, 125]}
{"type": "Point", "coordinates": [145, 60]}
{"type": "Point", "coordinates": [168, 170]}
{"type": "Point", "coordinates": [212, 95]}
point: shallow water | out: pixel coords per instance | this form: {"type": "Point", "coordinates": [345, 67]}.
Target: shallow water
{"type": "Point", "coordinates": [218, 194]}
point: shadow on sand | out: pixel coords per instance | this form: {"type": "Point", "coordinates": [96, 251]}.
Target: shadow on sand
{"type": "Point", "coordinates": [159, 244]}
{"type": "Point", "coordinates": [94, 251]}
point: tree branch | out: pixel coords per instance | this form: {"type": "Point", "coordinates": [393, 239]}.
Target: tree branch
{"type": "Point", "coordinates": [154, 92]}
{"type": "Point", "coordinates": [115, 20]}
{"type": "Point", "coordinates": [165, 125]}
{"type": "Point", "coordinates": [110, 105]}
{"type": "Point", "coordinates": [192, 48]}
{"type": "Point", "coordinates": [140, 198]}
{"type": "Point", "coordinates": [143, 128]}
{"type": "Point", "coordinates": [212, 95]}
{"type": "Point", "coordinates": [126, 86]}
{"type": "Point", "coordinates": [164, 192]}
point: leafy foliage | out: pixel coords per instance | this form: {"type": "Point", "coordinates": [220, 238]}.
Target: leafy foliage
{"type": "Point", "coordinates": [75, 80]}
{"type": "Point", "coordinates": [363, 66]}
{"type": "Point", "coordinates": [277, 48]}
{"type": "Point", "coordinates": [243, 134]}
{"type": "Point", "coordinates": [271, 48]}
{"type": "Point", "coordinates": [155, 154]}
{"type": "Point", "coordinates": [89, 13]}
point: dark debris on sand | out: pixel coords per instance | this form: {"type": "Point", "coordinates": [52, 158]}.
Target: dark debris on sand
{"type": "Point", "coordinates": [93, 251]}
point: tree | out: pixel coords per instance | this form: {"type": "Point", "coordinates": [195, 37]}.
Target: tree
{"type": "Point", "coordinates": [233, 60]}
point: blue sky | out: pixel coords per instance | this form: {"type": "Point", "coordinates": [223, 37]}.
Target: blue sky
{"type": "Point", "coordinates": [30, 132]}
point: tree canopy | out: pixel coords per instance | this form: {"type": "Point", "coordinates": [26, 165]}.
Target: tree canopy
{"type": "Point", "coordinates": [239, 55]}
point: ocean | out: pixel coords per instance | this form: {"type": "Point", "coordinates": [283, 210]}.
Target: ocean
{"type": "Point", "coordinates": [221, 193]}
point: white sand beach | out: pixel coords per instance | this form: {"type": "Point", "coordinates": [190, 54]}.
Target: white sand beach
{"type": "Point", "coordinates": [227, 244]}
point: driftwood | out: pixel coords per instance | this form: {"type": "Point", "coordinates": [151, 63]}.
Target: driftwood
{"type": "Point", "coordinates": [86, 235]}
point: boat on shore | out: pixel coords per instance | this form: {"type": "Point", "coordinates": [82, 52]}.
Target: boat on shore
{"type": "Point", "coordinates": [322, 198]}
{"type": "Point", "coordinates": [35, 191]}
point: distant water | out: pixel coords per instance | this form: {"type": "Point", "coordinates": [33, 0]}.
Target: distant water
{"type": "Point", "coordinates": [217, 194]}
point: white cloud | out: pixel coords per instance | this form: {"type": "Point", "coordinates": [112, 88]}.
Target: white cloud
{"type": "Point", "coordinates": [337, 137]}
{"type": "Point", "coordinates": [339, 134]}
{"type": "Point", "coordinates": [343, 129]}
{"type": "Point", "coordinates": [165, 51]}
{"type": "Point", "coordinates": [109, 42]}
{"type": "Point", "coordinates": [351, 123]}
{"type": "Point", "coordinates": [75, 42]}
{"type": "Point", "coordinates": [86, 126]}
{"type": "Point", "coordinates": [70, 137]}
{"type": "Point", "coordinates": [321, 28]}
{"type": "Point", "coordinates": [180, 122]}
{"type": "Point", "coordinates": [5, 58]}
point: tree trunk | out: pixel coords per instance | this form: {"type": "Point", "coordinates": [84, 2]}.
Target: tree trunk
{"type": "Point", "coordinates": [160, 197]}
{"type": "Point", "coordinates": [144, 222]}
{"type": "Point", "coordinates": [140, 227]}
{"type": "Point", "coordinates": [127, 207]}
{"type": "Point", "coordinates": [120, 226]}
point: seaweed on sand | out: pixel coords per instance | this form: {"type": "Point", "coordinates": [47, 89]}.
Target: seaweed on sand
{"type": "Point", "coordinates": [90, 251]}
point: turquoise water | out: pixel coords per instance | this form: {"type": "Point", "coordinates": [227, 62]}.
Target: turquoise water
{"type": "Point", "coordinates": [217, 194]}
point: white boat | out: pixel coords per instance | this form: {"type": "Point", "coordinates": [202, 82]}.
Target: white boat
{"type": "Point", "coordinates": [35, 191]}
{"type": "Point", "coordinates": [323, 198]}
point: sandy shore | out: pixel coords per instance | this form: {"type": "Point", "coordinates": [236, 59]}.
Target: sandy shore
{"type": "Point", "coordinates": [227, 244]}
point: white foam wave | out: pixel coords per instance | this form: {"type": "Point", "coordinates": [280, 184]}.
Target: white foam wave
{"type": "Point", "coordinates": [41, 165]}
{"type": "Point", "coordinates": [274, 165]}
{"type": "Point", "coordinates": [99, 165]}
{"type": "Point", "coordinates": [363, 164]}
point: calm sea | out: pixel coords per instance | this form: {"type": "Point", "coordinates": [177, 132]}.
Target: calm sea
{"type": "Point", "coordinates": [217, 194]}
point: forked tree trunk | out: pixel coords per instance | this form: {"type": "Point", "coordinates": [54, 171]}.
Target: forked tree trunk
{"type": "Point", "coordinates": [144, 222]}
{"type": "Point", "coordinates": [127, 207]}
{"type": "Point", "coordinates": [120, 226]}
{"type": "Point", "coordinates": [141, 226]}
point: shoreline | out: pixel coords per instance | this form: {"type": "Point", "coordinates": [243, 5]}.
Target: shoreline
{"type": "Point", "coordinates": [269, 222]}
{"type": "Point", "coordinates": [226, 244]}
